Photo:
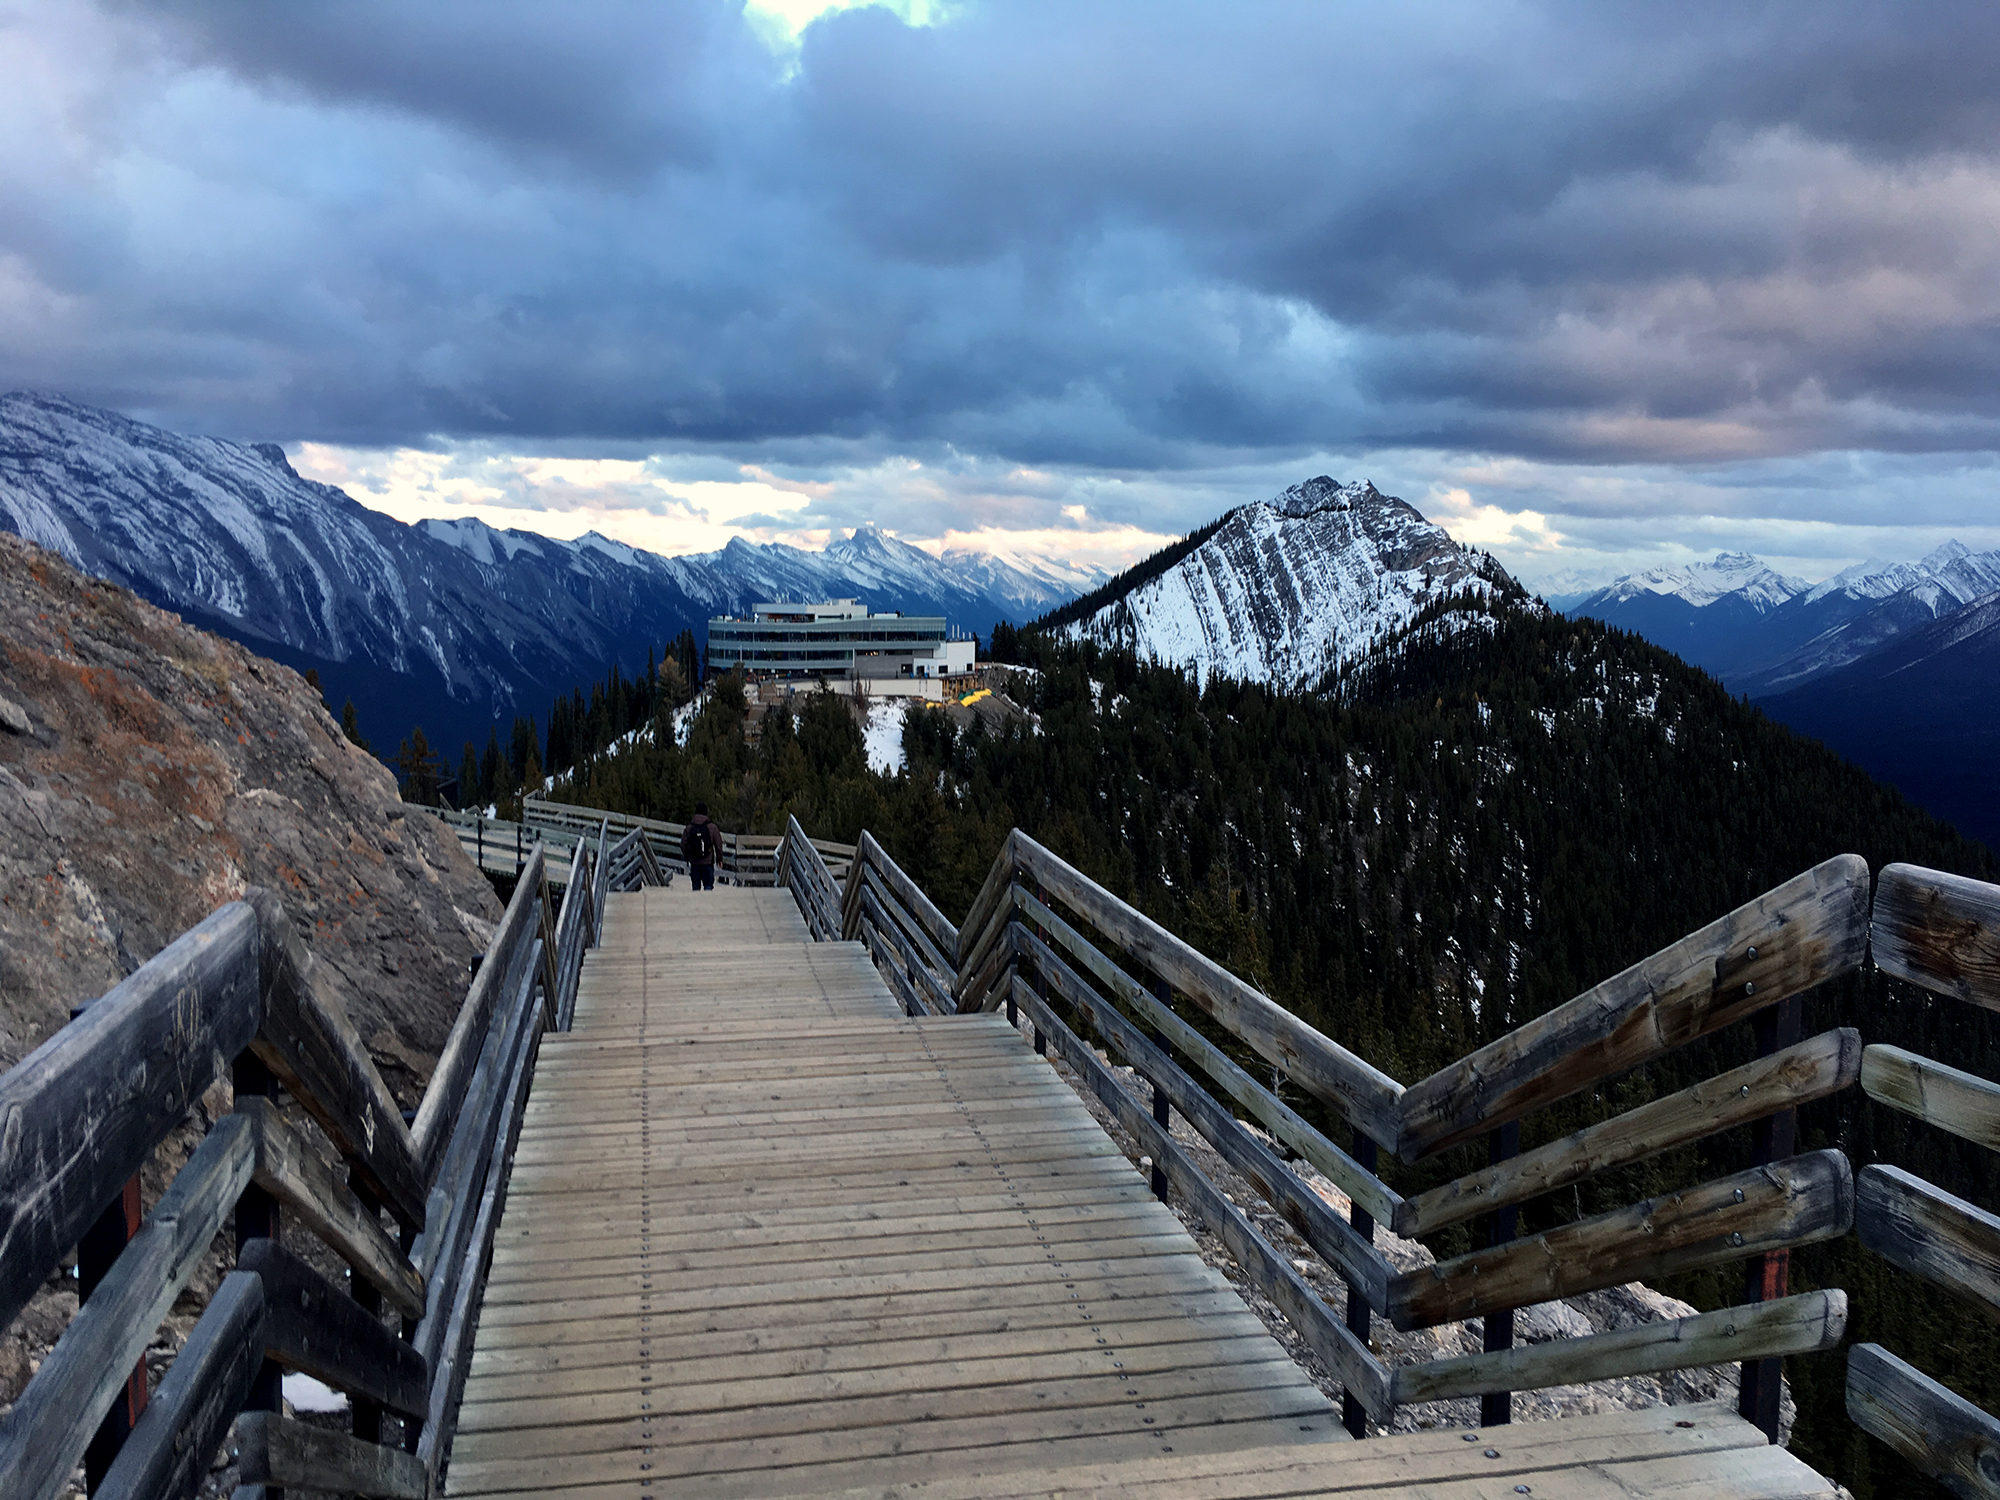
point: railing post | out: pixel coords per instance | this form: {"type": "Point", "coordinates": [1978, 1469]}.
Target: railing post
{"type": "Point", "coordinates": [1041, 979]}
{"type": "Point", "coordinates": [1352, 1416]}
{"type": "Point", "coordinates": [95, 1254]}
{"type": "Point", "coordinates": [1162, 1115]}
{"type": "Point", "coordinates": [257, 1219]}
{"type": "Point", "coordinates": [367, 1414]}
{"type": "Point", "coordinates": [1497, 1407]}
{"type": "Point", "coordinates": [1767, 1276]}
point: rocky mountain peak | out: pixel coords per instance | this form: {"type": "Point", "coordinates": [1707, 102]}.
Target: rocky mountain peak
{"type": "Point", "coordinates": [1286, 590]}
{"type": "Point", "coordinates": [1325, 493]}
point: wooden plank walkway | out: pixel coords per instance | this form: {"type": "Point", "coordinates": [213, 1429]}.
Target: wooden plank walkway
{"type": "Point", "coordinates": [765, 1236]}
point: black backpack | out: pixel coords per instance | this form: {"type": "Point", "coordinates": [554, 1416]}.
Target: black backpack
{"type": "Point", "coordinates": [698, 843]}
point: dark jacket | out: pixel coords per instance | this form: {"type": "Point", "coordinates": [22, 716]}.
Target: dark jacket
{"type": "Point", "coordinates": [699, 844]}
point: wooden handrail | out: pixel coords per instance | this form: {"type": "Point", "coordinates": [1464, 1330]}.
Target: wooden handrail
{"type": "Point", "coordinates": [1345, 1355]}
{"type": "Point", "coordinates": [83, 1111]}
{"type": "Point", "coordinates": [1810, 929]}
{"type": "Point", "coordinates": [439, 1109]}
{"type": "Point", "coordinates": [1811, 1070]}
{"type": "Point", "coordinates": [1789, 1203]}
{"type": "Point", "coordinates": [1360, 1093]}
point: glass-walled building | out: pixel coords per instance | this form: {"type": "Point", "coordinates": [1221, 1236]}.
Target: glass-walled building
{"type": "Point", "coordinates": [839, 640]}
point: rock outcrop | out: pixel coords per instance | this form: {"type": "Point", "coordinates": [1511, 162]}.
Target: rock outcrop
{"type": "Point", "coordinates": [149, 772]}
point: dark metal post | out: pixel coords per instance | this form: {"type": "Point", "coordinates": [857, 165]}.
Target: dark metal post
{"type": "Point", "coordinates": [99, 1248]}
{"type": "Point", "coordinates": [1767, 1276]}
{"type": "Point", "coordinates": [1162, 1115]}
{"type": "Point", "coordinates": [257, 1219]}
{"type": "Point", "coordinates": [1352, 1417]}
{"type": "Point", "coordinates": [1497, 1407]}
{"type": "Point", "coordinates": [1041, 979]}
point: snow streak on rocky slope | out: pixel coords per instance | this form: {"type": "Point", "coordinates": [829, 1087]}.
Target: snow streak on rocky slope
{"type": "Point", "coordinates": [1289, 589]}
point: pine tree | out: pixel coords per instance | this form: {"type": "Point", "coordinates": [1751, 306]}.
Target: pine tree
{"type": "Point", "coordinates": [350, 725]}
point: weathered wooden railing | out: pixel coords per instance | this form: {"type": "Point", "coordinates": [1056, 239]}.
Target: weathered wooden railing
{"type": "Point", "coordinates": [1941, 932]}
{"type": "Point", "coordinates": [803, 870]}
{"type": "Point", "coordinates": [747, 859]}
{"type": "Point", "coordinates": [908, 937]}
{"type": "Point", "coordinates": [1044, 941]}
{"type": "Point", "coordinates": [235, 997]}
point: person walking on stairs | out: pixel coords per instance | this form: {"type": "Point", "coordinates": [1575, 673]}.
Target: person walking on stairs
{"type": "Point", "coordinates": [699, 847]}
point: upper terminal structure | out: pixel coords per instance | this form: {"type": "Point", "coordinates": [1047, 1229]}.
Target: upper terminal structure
{"type": "Point", "coordinates": [839, 640]}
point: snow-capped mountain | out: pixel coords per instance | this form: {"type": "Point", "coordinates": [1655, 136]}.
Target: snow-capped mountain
{"type": "Point", "coordinates": [1733, 575]}
{"type": "Point", "coordinates": [448, 623]}
{"type": "Point", "coordinates": [1286, 590]}
{"type": "Point", "coordinates": [1762, 632]}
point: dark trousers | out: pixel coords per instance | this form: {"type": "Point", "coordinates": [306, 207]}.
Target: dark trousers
{"type": "Point", "coordinates": [702, 877]}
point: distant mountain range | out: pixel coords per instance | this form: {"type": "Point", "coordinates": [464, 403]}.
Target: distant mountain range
{"type": "Point", "coordinates": [1282, 591]}
{"type": "Point", "coordinates": [1894, 664]}
{"type": "Point", "coordinates": [447, 624]}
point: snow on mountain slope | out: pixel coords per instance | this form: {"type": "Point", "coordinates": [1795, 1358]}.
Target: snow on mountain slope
{"type": "Point", "coordinates": [1732, 574]}
{"type": "Point", "coordinates": [1288, 589]}
{"type": "Point", "coordinates": [449, 622]}
{"type": "Point", "coordinates": [1762, 632]}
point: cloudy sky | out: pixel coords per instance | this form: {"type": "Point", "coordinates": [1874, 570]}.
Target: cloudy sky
{"type": "Point", "coordinates": [1592, 284]}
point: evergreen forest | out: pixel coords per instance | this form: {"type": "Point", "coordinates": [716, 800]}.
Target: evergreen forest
{"type": "Point", "coordinates": [1496, 810]}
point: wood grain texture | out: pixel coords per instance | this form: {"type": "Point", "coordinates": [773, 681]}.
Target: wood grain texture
{"type": "Point", "coordinates": [765, 1225]}
{"type": "Point", "coordinates": [313, 1326]}
{"type": "Point", "coordinates": [988, 907]}
{"type": "Point", "coordinates": [1939, 931]}
{"type": "Point", "coordinates": [1810, 929]}
{"type": "Point", "coordinates": [1360, 1264]}
{"type": "Point", "coordinates": [1793, 1202]}
{"type": "Point", "coordinates": [937, 967]}
{"type": "Point", "coordinates": [1790, 1325]}
{"type": "Point", "coordinates": [176, 1438]}
{"type": "Point", "coordinates": [293, 1173]}
{"type": "Point", "coordinates": [309, 1042]}
{"type": "Point", "coordinates": [942, 934]}
{"type": "Point", "coordinates": [1362, 1186]}
{"type": "Point", "coordinates": [1936, 1429]}
{"type": "Point", "coordinates": [1325, 1334]}
{"type": "Point", "coordinates": [282, 1452]}
{"type": "Point", "coordinates": [438, 1113]}
{"type": "Point", "coordinates": [1823, 1065]}
{"type": "Point", "coordinates": [83, 1111]}
{"type": "Point", "coordinates": [1929, 1233]}
{"type": "Point", "coordinates": [43, 1436]}
{"type": "Point", "coordinates": [1360, 1093]}
{"type": "Point", "coordinates": [1963, 1103]}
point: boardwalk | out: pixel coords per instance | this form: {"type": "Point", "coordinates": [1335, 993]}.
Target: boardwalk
{"type": "Point", "coordinates": [765, 1235]}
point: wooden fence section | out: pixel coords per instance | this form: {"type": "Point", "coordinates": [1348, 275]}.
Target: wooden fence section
{"type": "Point", "coordinates": [747, 858]}
{"type": "Point", "coordinates": [1941, 932]}
{"type": "Point", "coordinates": [235, 996]}
{"type": "Point", "coordinates": [414, 1213]}
{"type": "Point", "coordinates": [1042, 939]}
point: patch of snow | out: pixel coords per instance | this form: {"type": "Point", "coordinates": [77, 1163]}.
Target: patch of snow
{"type": "Point", "coordinates": [307, 1394]}
{"type": "Point", "coordinates": [882, 736]}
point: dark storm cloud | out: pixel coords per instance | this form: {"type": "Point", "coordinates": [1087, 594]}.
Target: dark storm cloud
{"type": "Point", "coordinates": [1117, 237]}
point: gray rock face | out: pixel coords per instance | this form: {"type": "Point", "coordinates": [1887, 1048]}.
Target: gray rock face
{"type": "Point", "coordinates": [170, 769]}
{"type": "Point", "coordinates": [1290, 588]}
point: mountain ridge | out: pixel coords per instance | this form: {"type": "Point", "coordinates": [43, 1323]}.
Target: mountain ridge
{"type": "Point", "coordinates": [1282, 591]}
{"type": "Point", "coordinates": [449, 617]}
